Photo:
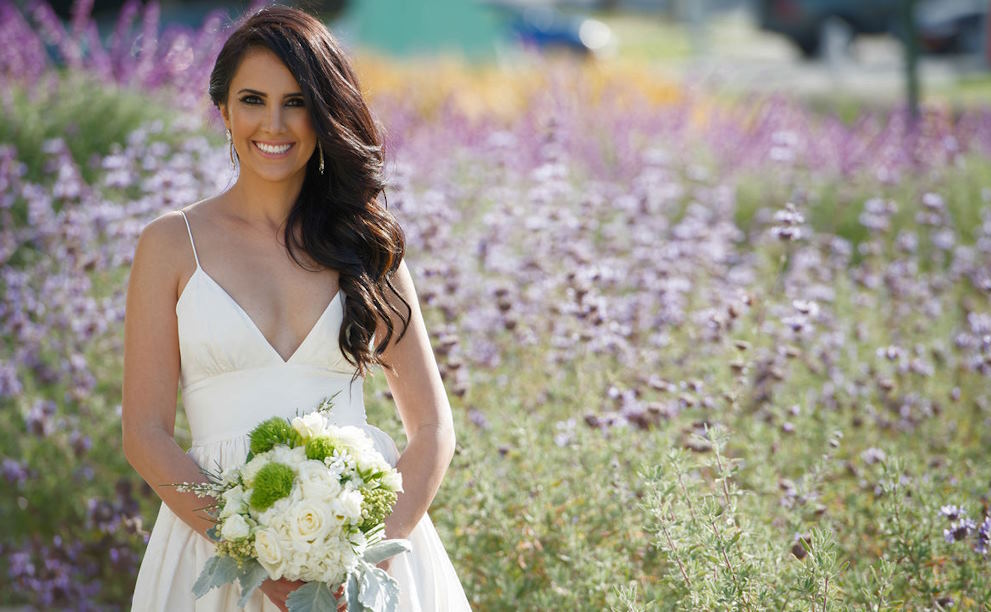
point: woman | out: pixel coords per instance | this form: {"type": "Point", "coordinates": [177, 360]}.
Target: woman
{"type": "Point", "coordinates": [268, 298]}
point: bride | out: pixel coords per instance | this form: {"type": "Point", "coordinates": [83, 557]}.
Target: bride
{"type": "Point", "coordinates": [263, 300]}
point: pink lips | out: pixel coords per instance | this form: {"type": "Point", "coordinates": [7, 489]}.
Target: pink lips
{"type": "Point", "coordinates": [273, 144]}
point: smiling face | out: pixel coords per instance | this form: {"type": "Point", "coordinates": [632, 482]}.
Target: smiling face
{"type": "Point", "coordinates": [268, 118]}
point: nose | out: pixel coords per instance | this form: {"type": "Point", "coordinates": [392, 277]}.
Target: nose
{"type": "Point", "coordinates": [275, 118]}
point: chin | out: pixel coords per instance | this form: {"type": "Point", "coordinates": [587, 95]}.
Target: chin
{"type": "Point", "coordinates": [276, 176]}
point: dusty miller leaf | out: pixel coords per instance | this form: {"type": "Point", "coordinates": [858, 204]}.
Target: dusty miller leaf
{"type": "Point", "coordinates": [380, 551]}
{"type": "Point", "coordinates": [379, 590]}
{"type": "Point", "coordinates": [250, 578]}
{"type": "Point", "coordinates": [312, 597]}
{"type": "Point", "coordinates": [219, 570]}
{"type": "Point", "coordinates": [351, 592]}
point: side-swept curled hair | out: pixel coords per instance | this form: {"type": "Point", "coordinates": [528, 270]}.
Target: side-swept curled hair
{"type": "Point", "coordinates": [342, 224]}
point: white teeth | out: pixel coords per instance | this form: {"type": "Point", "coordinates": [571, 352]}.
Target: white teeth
{"type": "Point", "coordinates": [271, 149]}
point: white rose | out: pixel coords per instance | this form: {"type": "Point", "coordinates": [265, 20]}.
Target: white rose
{"type": "Point", "coordinates": [235, 528]}
{"type": "Point", "coordinates": [270, 553]}
{"type": "Point", "coordinates": [314, 471]}
{"type": "Point", "coordinates": [308, 522]}
{"type": "Point", "coordinates": [309, 425]}
{"type": "Point", "coordinates": [316, 482]}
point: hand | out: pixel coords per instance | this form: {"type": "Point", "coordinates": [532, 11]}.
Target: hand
{"type": "Point", "coordinates": [279, 590]}
{"type": "Point", "coordinates": [384, 565]}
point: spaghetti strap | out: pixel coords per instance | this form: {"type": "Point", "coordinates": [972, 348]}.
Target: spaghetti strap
{"type": "Point", "coordinates": [193, 244]}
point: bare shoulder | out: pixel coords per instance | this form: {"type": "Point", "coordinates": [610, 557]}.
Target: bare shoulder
{"type": "Point", "coordinates": [170, 228]}
{"type": "Point", "coordinates": [163, 253]}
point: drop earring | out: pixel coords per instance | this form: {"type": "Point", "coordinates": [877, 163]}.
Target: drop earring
{"type": "Point", "coordinates": [320, 147]}
{"type": "Point", "coordinates": [231, 141]}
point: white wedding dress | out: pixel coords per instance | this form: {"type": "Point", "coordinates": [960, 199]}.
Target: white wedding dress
{"type": "Point", "coordinates": [232, 379]}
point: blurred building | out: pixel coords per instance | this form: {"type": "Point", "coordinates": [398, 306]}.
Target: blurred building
{"type": "Point", "coordinates": [469, 28]}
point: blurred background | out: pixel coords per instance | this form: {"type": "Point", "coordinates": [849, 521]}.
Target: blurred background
{"type": "Point", "coordinates": [813, 47]}
{"type": "Point", "coordinates": [730, 261]}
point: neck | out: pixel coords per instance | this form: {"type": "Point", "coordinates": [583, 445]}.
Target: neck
{"type": "Point", "coordinates": [262, 203]}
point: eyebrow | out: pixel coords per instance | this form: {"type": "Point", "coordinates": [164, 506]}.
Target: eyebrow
{"type": "Point", "coordinates": [264, 95]}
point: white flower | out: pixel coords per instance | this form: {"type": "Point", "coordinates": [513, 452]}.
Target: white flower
{"type": "Point", "coordinates": [393, 480]}
{"type": "Point", "coordinates": [308, 522]}
{"type": "Point", "coordinates": [317, 483]}
{"type": "Point", "coordinates": [235, 528]}
{"type": "Point", "coordinates": [348, 505]}
{"type": "Point", "coordinates": [270, 553]}
{"type": "Point", "coordinates": [352, 438]}
{"type": "Point", "coordinates": [275, 515]}
{"type": "Point", "coordinates": [310, 425]}
{"type": "Point", "coordinates": [230, 474]}
{"type": "Point", "coordinates": [284, 455]}
{"type": "Point", "coordinates": [234, 502]}
{"type": "Point", "coordinates": [312, 470]}
{"type": "Point", "coordinates": [250, 470]}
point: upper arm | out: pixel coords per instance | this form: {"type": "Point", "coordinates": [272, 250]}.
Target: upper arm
{"type": "Point", "coordinates": [415, 383]}
{"type": "Point", "coordinates": [151, 339]}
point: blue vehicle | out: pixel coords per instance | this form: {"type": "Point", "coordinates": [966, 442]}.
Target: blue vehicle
{"type": "Point", "coordinates": [547, 29]}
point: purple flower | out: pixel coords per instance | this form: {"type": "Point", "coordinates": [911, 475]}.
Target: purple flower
{"type": "Point", "coordinates": [39, 419]}
{"type": "Point", "coordinates": [959, 530]}
{"type": "Point", "coordinates": [873, 455]}
{"type": "Point", "coordinates": [983, 536]}
{"type": "Point", "coordinates": [14, 472]}
{"type": "Point", "coordinates": [953, 512]}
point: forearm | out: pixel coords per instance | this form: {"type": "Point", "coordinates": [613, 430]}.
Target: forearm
{"type": "Point", "coordinates": [423, 465]}
{"type": "Point", "coordinates": [160, 461]}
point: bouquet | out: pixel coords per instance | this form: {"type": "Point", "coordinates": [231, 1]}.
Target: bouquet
{"type": "Point", "coordinates": [308, 504]}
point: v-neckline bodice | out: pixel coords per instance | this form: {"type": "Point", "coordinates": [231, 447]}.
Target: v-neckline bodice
{"type": "Point", "coordinates": [251, 322]}
{"type": "Point", "coordinates": [244, 313]}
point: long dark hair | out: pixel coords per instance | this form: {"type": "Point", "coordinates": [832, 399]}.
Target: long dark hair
{"type": "Point", "coordinates": [342, 224]}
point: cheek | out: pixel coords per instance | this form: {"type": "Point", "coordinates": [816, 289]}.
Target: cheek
{"type": "Point", "coordinates": [304, 127]}
{"type": "Point", "coordinates": [246, 121]}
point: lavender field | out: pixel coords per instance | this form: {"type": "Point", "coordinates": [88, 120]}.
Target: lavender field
{"type": "Point", "coordinates": [703, 353]}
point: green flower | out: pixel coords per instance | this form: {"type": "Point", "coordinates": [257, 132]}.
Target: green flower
{"type": "Point", "coordinates": [319, 448]}
{"type": "Point", "coordinates": [243, 550]}
{"type": "Point", "coordinates": [271, 432]}
{"type": "Point", "coordinates": [377, 505]}
{"type": "Point", "coordinates": [273, 482]}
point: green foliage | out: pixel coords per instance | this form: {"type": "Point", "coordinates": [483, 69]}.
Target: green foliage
{"type": "Point", "coordinates": [75, 108]}
{"type": "Point", "coordinates": [835, 203]}
{"type": "Point", "coordinates": [319, 449]}
{"type": "Point", "coordinates": [272, 483]}
{"type": "Point", "coordinates": [748, 495]}
{"type": "Point", "coordinates": [268, 433]}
